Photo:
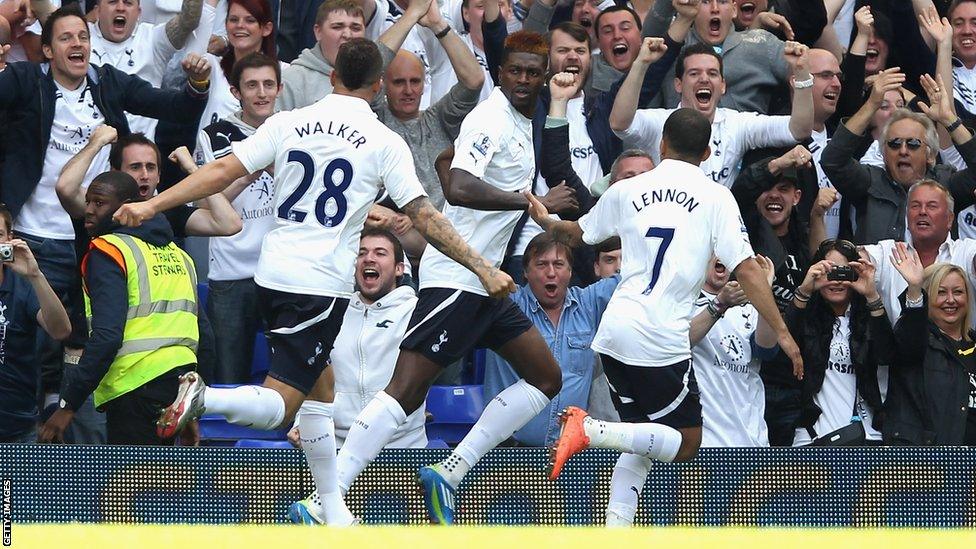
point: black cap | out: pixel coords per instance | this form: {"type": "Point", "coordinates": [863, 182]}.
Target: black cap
{"type": "Point", "coordinates": [789, 174]}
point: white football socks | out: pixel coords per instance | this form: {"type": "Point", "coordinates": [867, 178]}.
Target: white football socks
{"type": "Point", "coordinates": [629, 476]}
{"type": "Point", "coordinates": [318, 442]}
{"type": "Point", "coordinates": [651, 440]}
{"type": "Point", "coordinates": [369, 433]}
{"type": "Point", "coordinates": [506, 413]}
{"type": "Point", "coordinates": [248, 405]}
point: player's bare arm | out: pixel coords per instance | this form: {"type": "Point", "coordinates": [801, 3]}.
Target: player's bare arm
{"type": "Point", "coordinates": [752, 278]}
{"type": "Point", "coordinates": [210, 179]}
{"type": "Point", "coordinates": [567, 232]}
{"type": "Point", "coordinates": [442, 235]}
{"type": "Point", "coordinates": [466, 190]}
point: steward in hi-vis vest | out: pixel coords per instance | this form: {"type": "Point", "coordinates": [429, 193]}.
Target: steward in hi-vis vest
{"type": "Point", "coordinates": [141, 303]}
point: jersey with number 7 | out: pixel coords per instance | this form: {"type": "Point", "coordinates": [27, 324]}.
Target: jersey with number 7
{"type": "Point", "coordinates": [670, 221]}
{"type": "Point", "coordinates": [331, 160]}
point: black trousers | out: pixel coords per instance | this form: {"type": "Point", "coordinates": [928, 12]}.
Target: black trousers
{"type": "Point", "coordinates": [131, 418]}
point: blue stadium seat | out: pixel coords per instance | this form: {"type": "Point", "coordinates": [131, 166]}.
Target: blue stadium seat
{"type": "Point", "coordinates": [474, 368]}
{"type": "Point", "coordinates": [261, 362]}
{"type": "Point", "coordinates": [255, 443]}
{"type": "Point", "coordinates": [455, 409]}
{"type": "Point", "coordinates": [436, 443]}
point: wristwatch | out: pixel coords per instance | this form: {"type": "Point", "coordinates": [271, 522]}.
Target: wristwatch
{"type": "Point", "coordinates": [952, 127]}
{"type": "Point", "coordinates": [803, 84]}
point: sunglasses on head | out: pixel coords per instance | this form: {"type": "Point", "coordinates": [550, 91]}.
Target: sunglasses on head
{"type": "Point", "coordinates": [845, 247]}
{"type": "Point", "coordinates": [912, 143]}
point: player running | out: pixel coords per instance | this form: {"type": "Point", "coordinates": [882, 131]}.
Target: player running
{"type": "Point", "coordinates": [493, 162]}
{"type": "Point", "coordinates": [330, 161]}
{"type": "Point", "coordinates": [670, 221]}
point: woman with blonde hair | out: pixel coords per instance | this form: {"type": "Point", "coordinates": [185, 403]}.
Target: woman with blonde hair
{"type": "Point", "coordinates": [932, 391]}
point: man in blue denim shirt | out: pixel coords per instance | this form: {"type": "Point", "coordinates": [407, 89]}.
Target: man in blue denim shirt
{"type": "Point", "coordinates": [567, 318]}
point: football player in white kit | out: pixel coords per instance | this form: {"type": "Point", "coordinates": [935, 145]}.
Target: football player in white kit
{"type": "Point", "coordinates": [671, 221]}
{"type": "Point", "coordinates": [330, 161]}
{"type": "Point", "coordinates": [493, 162]}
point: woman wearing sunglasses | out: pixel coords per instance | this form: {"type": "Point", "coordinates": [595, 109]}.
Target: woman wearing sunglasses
{"type": "Point", "coordinates": [840, 319]}
{"type": "Point", "coordinates": [932, 393]}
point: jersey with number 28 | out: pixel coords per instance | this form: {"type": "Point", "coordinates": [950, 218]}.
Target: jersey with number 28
{"type": "Point", "coordinates": [670, 221]}
{"type": "Point", "coordinates": [331, 160]}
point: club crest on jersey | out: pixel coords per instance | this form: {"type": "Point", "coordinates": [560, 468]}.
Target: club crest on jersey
{"type": "Point", "coordinates": [482, 144]}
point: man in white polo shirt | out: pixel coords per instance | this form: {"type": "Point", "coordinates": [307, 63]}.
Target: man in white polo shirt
{"type": "Point", "coordinates": [670, 220]}
{"type": "Point", "coordinates": [330, 162]}
{"type": "Point", "coordinates": [699, 80]}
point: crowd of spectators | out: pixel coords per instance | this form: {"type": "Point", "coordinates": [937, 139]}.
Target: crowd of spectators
{"type": "Point", "coordinates": [842, 127]}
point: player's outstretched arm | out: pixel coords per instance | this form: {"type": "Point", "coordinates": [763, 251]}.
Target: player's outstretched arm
{"type": "Point", "coordinates": [752, 278]}
{"type": "Point", "coordinates": [442, 235]}
{"type": "Point", "coordinates": [212, 178]}
{"type": "Point", "coordinates": [567, 232]}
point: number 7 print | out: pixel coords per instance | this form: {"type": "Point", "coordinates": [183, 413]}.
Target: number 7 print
{"type": "Point", "coordinates": [666, 235]}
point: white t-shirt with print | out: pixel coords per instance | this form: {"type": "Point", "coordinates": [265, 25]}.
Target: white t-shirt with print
{"type": "Point", "coordinates": [495, 145]}
{"type": "Point", "coordinates": [734, 133]}
{"type": "Point", "coordinates": [331, 159]}
{"type": "Point", "coordinates": [836, 396]}
{"type": "Point", "coordinates": [732, 395]}
{"type": "Point", "coordinates": [75, 118]}
{"type": "Point", "coordinates": [220, 102]}
{"type": "Point", "coordinates": [832, 215]}
{"type": "Point", "coordinates": [670, 221]}
{"type": "Point", "coordinates": [145, 54]}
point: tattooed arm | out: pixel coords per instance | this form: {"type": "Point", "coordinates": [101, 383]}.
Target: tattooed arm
{"type": "Point", "coordinates": [442, 235]}
{"type": "Point", "coordinates": [179, 28]}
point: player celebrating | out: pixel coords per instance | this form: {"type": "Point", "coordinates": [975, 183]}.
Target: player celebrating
{"type": "Point", "coordinates": [330, 161]}
{"type": "Point", "coordinates": [670, 221]}
{"type": "Point", "coordinates": [493, 161]}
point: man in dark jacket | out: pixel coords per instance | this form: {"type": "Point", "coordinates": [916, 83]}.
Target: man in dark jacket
{"type": "Point", "coordinates": [51, 109]}
{"type": "Point", "coordinates": [134, 356]}
{"type": "Point", "coordinates": [909, 147]}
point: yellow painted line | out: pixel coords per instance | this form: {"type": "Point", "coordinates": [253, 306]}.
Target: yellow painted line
{"type": "Point", "coordinates": [420, 537]}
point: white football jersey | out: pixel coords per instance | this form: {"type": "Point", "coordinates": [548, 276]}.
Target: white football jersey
{"type": "Point", "coordinates": [495, 144]}
{"type": "Point", "coordinates": [331, 160]}
{"type": "Point", "coordinates": [832, 215]}
{"type": "Point", "coordinates": [670, 221]}
{"type": "Point", "coordinates": [732, 395]}
{"type": "Point", "coordinates": [734, 134]}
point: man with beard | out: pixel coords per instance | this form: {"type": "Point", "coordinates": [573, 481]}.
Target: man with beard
{"type": "Point", "coordinates": [378, 313]}
{"type": "Point", "coordinates": [700, 83]}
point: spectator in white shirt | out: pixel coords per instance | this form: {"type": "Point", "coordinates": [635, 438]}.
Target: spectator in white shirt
{"type": "Point", "coordinates": [699, 81]}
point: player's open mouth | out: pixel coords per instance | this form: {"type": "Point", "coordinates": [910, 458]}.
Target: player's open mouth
{"type": "Point", "coordinates": [370, 274]}
{"type": "Point", "coordinates": [118, 23]}
{"type": "Point", "coordinates": [521, 92]}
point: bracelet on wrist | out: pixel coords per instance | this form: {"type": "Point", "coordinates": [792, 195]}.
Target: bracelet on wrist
{"type": "Point", "coordinates": [952, 127]}
{"type": "Point", "coordinates": [876, 305]}
{"type": "Point", "coordinates": [714, 310]}
{"type": "Point", "coordinates": [199, 83]}
{"type": "Point", "coordinates": [800, 296]}
{"type": "Point", "coordinates": [915, 302]}
{"type": "Point", "coordinates": [443, 33]}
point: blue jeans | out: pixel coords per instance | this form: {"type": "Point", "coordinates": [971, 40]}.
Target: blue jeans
{"type": "Point", "coordinates": [27, 437]}
{"type": "Point", "coordinates": [232, 306]}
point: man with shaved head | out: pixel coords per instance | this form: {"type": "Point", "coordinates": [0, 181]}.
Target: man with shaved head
{"type": "Point", "coordinates": [431, 131]}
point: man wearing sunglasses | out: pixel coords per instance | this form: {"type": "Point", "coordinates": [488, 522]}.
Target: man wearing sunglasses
{"type": "Point", "coordinates": [909, 147]}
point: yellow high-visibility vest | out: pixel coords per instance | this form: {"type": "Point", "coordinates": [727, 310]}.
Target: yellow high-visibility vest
{"type": "Point", "coordinates": [161, 331]}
